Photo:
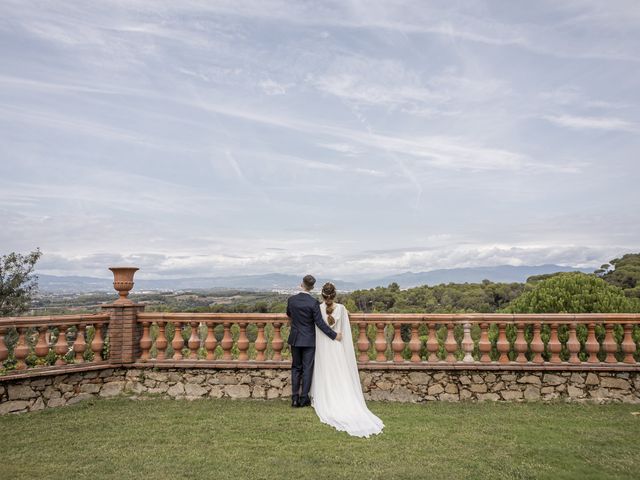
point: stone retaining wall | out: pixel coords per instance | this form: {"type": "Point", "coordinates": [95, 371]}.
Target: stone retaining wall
{"type": "Point", "coordinates": [518, 386]}
{"type": "Point", "coordinates": [33, 394]}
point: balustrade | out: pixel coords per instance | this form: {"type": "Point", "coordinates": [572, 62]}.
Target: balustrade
{"type": "Point", "coordinates": [212, 338]}
{"type": "Point", "coordinates": [28, 343]}
{"type": "Point", "coordinates": [380, 340]}
{"type": "Point", "coordinates": [411, 340]}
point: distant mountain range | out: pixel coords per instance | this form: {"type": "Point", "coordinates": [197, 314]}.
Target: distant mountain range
{"type": "Point", "coordinates": [279, 281]}
{"type": "Point", "coordinates": [502, 273]}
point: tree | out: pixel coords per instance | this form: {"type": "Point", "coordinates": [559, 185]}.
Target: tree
{"type": "Point", "coordinates": [17, 282]}
{"type": "Point", "coordinates": [538, 278]}
{"type": "Point", "coordinates": [444, 298]}
{"type": "Point", "coordinates": [573, 292]}
{"type": "Point", "coordinates": [624, 273]}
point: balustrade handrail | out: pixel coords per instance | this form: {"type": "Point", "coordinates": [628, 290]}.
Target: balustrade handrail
{"type": "Point", "coordinates": [221, 317]}
{"type": "Point", "coordinates": [354, 317]}
{"type": "Point", "coordinates": [404, 318]}
{"type": "Point", "coordinates": [53, 320]}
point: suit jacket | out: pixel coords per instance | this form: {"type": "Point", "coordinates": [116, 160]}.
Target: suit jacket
{"type": "Point", "coordinates": [304, 312]}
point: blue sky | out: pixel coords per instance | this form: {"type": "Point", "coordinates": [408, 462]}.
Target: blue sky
{"type": "Point", "coordinates": [341, 138]}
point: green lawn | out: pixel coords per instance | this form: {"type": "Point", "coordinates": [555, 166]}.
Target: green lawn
{"type": "Point", "coordinates": [217, 439]}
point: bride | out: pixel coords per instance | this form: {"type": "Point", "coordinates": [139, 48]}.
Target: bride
{"type": "Point", "coordinates": [336, 393]}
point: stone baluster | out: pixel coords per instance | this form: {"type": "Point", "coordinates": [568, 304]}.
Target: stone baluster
{"type": "Point", "coordinates": [4, 351]}
{"type": "Point", "coordinates": [210, 342]}
{"type": "Point", "coordinates": [194, 340]}
{"type": "Point", "coordinates": [628, 345]}
{"type": "Point", "coordinates": [42, 345]}
{"type": "Point", "coordinates": [363, 343]}
{"type": "Point", "coordinates": [573, 344]}
{"type": "Point", "coordinates": [610, 345]}
{"type": "Point", "coordinates": [178, 342]}
{"type": "Point", "coordinates": [554, 344]}
{"type": "Point", "coordinates": [520, 345]}
{"type": "Point", "coordinates": [277, 342]}
{"type": "Point", "coordinates": [227, 342]}
{"type": "Point", "coordinates": [537, 345]}
{"type": "Point", "coordinates": [450, 344]}
{"type": "Point", "coordinates": [80, 344]}
{"type": "Point", "coordinates": [161, 341]}
{"type": "Point", "coordinates": [260, 343]}
{"type": "Point", "coordinates": [145, 342]}
{"type": "Point", "coordinates": [592, 346]}
{"type": "Point", "coordinates": [467, 343]}
{"type": "Point", "coordinates": [61, 347]}
{"type": "Point", "coordinates": [414, 343]}
{"type": "Point", "coordinates": [97, 343]}
{"type": "Point", "coordinates": [243, 342]}
{"type": "Point", "coordinates": [503, 344]}
{"type": "Point", "coordinates": [484, 345]}
{"type": "Point", "coordinates": [397, 344]}
{"type": "Point", "coordinates": [432, 343]}
{"type": "Point", "coordinates": [381, 343]}
{"type": "Point", "coordinates": [21, 350]}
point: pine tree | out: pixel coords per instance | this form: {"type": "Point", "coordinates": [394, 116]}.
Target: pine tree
{"type": "Point", "coordinates": [573, 292]}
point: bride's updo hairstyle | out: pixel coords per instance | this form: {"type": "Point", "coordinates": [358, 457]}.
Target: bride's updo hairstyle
{"type": "Point", "coordinates": [329, 294]}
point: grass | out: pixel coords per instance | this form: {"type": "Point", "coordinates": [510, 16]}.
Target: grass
{"type": "Point", "coordinates": [219, 439]}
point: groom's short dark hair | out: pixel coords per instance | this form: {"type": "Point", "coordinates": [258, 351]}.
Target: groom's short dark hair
{"type": "Point", "coordinates": [308, 281]}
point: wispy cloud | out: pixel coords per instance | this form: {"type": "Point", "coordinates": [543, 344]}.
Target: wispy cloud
{"type": "Point", "coordinates": [343, 148]}
{"type": "Point", "coordinates": [235, 166]}
{"type": "Point", "coordinates": [441, 152]}
{"type": "Point", "coordinates": [571, 95]}
{"type": "Point", "coordinates": [391, 94]}
{"type": "Point", "coordinates": [456, 22]}
{"type": "Point", "coordinates": [306, 163]}
{"type": "Point", "coordinates": [592, 123]}
{"type": "Point", "coordinates": [272, 87]}
{"type": "Point", "coordinates": [77, 126]}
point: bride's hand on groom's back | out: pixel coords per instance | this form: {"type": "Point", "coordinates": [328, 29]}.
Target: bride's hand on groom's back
{"type": "Point", "coordinates": [339, 337]}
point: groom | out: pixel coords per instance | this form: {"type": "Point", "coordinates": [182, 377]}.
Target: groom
{"type": "Point", "coordinates": [303, 311]}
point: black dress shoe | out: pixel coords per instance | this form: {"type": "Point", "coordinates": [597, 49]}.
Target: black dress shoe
{"type": "Point", "coordinates": [295, 402]}
{"type": "Point", "coordinates": [304, 402]}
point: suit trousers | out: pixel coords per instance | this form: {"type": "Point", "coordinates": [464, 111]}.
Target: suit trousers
{"type": "Point", "coordinates": [302, 371]}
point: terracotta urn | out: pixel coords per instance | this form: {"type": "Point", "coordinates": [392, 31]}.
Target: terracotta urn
{"type": "Point", "coordinates": [123, 282]}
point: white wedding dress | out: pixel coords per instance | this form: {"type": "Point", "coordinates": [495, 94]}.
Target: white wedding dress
{"type": "Point", "coordinates": [336, 393]}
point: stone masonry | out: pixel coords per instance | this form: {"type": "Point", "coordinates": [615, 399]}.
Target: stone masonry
{"type": "Point", "coordinates": [34, 394]}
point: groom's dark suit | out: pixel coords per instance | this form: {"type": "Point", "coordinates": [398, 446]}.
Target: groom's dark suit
{"type": "Point", "coordinates": [304, 312]}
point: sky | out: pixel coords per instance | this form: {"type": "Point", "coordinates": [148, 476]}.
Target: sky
{"type": "Point", "coordinates": [348, 138]}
